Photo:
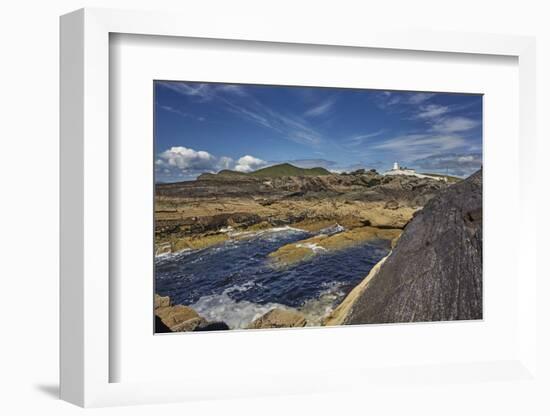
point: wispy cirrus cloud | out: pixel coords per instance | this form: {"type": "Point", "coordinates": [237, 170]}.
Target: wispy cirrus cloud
{"type": "Point", "coordinates": [431, 111]}
{"type": "Point", "coordinates": [454, 124]}
{"type": "Point", "coordinates": [359, 139]}
{"type": "Point", "coordinates": [182, 113]}
{"type": "Point", "coordinates": [232, 89]}
{"type": "Point", "coordinates": [440, 119]}
{"type": "Point", "coordinates": [320, 109]}
{"type": "Point", "coordinates": [235, 99]}
{"type": "Point", "coordinates": [414, 146]}
{"type": "Point", "coordinates": [388, 99]}
{"type": "Point", "coordinates": [200, 91]}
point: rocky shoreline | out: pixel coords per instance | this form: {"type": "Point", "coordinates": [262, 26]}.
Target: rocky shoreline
{"type": "Point", "coordinates": [198, 214]}
{"type": "Point", "coordinates": [423, 220]}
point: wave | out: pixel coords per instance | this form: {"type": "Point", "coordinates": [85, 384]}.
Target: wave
{"type": "Point", "coordinates": [239, 314]}
{"type": "Point", "coordinates": [236, 314]}
{"type": "Point", "coordinates": [164, 257]}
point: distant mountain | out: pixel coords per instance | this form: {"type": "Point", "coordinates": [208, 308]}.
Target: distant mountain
{"type": "Point", "coordinates": [275, 171]}
{"type": "Point", "coordinates": [286, 169]}
{"type": "Point", "coordinates": [231, 172]}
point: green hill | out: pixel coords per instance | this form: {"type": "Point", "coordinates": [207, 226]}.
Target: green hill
{"type": "Point", "coordinates": [286, 169]}
{"type": "Point", "coordinates": [275, 171]}
{"type": "Point", "coordinates": [231, 172]}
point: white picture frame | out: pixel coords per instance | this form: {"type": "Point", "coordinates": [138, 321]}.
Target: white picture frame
{"type": "Point", "coordinates": [85, 209]}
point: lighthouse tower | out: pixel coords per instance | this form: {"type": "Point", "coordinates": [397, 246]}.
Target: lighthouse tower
{"type": "Point", "coordinates": [396, 166]}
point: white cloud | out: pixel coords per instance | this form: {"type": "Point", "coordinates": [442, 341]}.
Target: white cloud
{"type": "Point", "coordinates": [249, 163]}
{"type": "Point", "coordinates": [320, 109]}
{"type": "Point", "coordinates": [184, 162]}
{"type": "Point", "coordinates": [187, 159]}
{"type": "Point", "coordinates": [454, 124]}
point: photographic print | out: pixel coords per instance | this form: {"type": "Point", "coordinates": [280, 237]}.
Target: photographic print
{"type": "Point", "coordinates": [292, 207]}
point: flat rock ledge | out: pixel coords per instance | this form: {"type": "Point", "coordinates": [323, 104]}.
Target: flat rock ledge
{"type": "Point", "coordinates": [320, 244]}
{"type": "Point", "coordinates": [180, 318]}
{"type": "Point", "coordinates": [194, 226]}
{"type": "Point", "coordinates": [279, 318]}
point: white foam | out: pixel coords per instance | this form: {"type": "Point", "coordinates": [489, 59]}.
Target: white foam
{"type": "Point", "coordinates": [170, 255]}
{"type": "Point", "coordinates": [312, 246]}
{"type": "Point", "coordinates": [239, 314]}
{"type": "Point", "coordinates": [244, 234]}
{"type": "Point", "coordinates": [236, 315]}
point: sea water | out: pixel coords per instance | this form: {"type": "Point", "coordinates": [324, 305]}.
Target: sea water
{"type": "Point", "coordinates": [235, 282]}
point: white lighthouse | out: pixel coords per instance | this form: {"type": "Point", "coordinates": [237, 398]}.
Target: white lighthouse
{"type": "Point", "coordinates": [398, 170]}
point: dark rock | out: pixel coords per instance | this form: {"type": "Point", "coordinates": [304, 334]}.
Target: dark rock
{"type": "Point", "coordinates": [160, 327]}
{"type": "Point", "coordinates": [435, 271]}
{"type": "Point", "coordinates": [212, 326]}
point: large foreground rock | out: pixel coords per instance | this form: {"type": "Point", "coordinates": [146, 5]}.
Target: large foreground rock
{"type": "Point", "coordinates": [435, 271]}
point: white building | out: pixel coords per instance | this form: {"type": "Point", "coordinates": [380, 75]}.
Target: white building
{"type": "Point", "coordinates": [398, 170]}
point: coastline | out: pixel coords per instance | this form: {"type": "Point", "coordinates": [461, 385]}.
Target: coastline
{"type": "Point", "coordinates": [328, 225]}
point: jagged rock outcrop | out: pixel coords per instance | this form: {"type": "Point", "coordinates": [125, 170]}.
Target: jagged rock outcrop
{"type": "Point", "coordinates": [435, 271]}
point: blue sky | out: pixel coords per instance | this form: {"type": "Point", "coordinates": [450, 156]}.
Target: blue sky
{"type": "Point", "coordinates": [206, 127]}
